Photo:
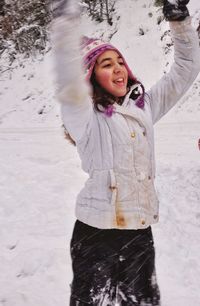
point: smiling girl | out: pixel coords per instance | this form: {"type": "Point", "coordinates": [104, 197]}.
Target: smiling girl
{"type": "Point", "coordinates": [110, 117]}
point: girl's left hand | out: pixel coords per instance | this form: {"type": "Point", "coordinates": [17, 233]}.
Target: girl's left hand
{"type": "Point", "coordinates": [175, 10]}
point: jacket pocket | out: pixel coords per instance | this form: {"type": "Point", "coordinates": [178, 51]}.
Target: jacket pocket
{"type": "Point", "coordinates": [97, 190]}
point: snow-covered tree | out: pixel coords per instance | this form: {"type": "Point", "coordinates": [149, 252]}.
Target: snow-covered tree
{"type": "Point", "coordinates": [158, 2]}
{"type": "Point", "coordinates": [23, 25]}
{"type": "Point", "coordinates": [101, 10]}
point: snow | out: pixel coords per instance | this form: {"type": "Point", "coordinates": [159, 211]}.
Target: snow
{"type": "Point", "coordinates": [40, 173]}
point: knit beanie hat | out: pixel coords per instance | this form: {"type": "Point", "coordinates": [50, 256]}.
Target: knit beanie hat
{"type": "Point", "coordinates": [91, 48]}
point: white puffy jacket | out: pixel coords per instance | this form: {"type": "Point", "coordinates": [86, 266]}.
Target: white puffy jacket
{"type": "Point", "coordinates": [118, 152]}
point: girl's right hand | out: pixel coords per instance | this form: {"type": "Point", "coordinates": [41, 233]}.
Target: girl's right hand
{"type": "Point", "coordinates": [65, 7]}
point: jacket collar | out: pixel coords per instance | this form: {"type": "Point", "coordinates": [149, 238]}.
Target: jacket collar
{"type": "Point", "coordinates": [127, 98]}
{"type": "Point", "coordinates": [134, 112]}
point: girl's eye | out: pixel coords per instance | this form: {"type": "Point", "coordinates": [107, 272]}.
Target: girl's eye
{"type": "Point", "coordinates": [121, 63]}
{"type": "Point", "coordinates": [107, 66]}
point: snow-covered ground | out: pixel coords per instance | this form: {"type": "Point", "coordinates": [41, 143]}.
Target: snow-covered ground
{"type": "Point", "coordinates": [40, 174]}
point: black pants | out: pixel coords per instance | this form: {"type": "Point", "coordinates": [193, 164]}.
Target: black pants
{"type": "Point", "coordinates": [113, 267]}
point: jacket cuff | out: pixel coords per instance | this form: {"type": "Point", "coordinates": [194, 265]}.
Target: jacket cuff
{"type": "Point", "coordinates": [180, 26]}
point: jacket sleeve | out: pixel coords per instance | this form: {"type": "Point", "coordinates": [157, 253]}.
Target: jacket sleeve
{"type": "Point", "coordinates": [72, 91]}
{"type": "Point", "coordinates": [172, 86]}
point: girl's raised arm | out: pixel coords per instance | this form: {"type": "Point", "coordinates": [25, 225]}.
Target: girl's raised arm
{"type": "Point", "coordinates": [173, 85]}
{"type": "Point", "coordinates": [72, 90]}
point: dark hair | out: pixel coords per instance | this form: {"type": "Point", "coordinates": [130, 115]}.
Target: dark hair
{"type": "Point", "coordinates": [68, 136]}
{"type": "Point", "coordinates": [101, 97]}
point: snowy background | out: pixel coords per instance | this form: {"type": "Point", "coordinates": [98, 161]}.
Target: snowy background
{"type": "Point", "coordinates": [40, 172]}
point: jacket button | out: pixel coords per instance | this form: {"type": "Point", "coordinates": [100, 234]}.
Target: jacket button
{"type": "Point", "coordinates": [144, 133]}
{"type": "Point", "coordinates": [112, 188]}
{"type": "Point", "coordinates": [155, 217]}
{"type": "Point", "coordinates": [143, 222]}
{"type": "Point", "coordinates": [133, 134]}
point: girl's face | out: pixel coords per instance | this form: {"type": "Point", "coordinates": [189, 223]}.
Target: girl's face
{"type": "Point", "coordinates": [111, 73]}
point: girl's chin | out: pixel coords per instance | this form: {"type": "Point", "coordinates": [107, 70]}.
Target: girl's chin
{"type": "Point", "coordinates": [121, 93]}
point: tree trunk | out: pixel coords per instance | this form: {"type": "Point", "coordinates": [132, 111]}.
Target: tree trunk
{"type": "Point", "coordinates": [101, 10]}
{"type": "Point", "coordinates": [2, 3]}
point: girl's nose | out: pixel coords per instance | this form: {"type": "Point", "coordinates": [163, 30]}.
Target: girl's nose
{"type": "Point", "coordinates": [118, 68]}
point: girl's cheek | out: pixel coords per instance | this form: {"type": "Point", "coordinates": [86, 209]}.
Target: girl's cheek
{"type": "Point", "coordinates": [104, 77]}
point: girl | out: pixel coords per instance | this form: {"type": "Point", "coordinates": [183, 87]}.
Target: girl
{"type": "Point", "coordinates": [111, 122]}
